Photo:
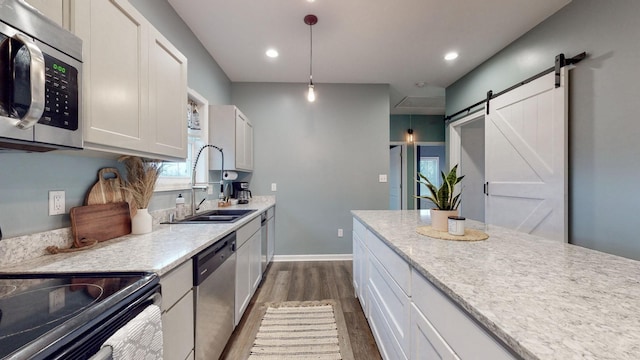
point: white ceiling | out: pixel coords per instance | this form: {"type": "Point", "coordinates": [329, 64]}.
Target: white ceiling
{"type": "Point", "coordinates": [399, 42]}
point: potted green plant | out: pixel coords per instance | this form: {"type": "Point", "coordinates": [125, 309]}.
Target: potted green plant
{"type": "Point", "coordinates": [444, 198]}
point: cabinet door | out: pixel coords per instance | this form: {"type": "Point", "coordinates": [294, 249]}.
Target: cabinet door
{"type": "Point", "coordinates": [393, 305]}
{"type": "Point", "coordinates": [115, 42]}
{"type": "Point", "coordinates": [177, 329]}
{"type": "Point", "coordinates": [248, 145]}
{"type": "Point", "coordinates": [240, 148]}
{"type": "Point", "coordinates": [243, 280]}
{"type": "Point", "coordinates": [360, 273]}
{"type": "Point", "coordinates": [426, 343]}
{"type": "Point", "coordinates": [53, 9]}
{"type": "Point", "coordinates": [167, 96]}
{"type": "Point", "coordinates": [255, 267]}
{"type": "Point", "coordinates": [244, 142]}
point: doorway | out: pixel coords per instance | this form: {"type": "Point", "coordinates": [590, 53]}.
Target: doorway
{"type": "Point", "coordinates": [430, 161]}
{"type": "Point", "coordinates": [469, 133]}
{"type": "Point", "coordinates": [397, 176]}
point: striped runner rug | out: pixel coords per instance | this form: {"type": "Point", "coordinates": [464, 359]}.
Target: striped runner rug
{"type": "Point", "coordinates": [297, 330]}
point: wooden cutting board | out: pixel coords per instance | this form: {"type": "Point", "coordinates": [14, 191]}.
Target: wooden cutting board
{"type": "Point", "coordinates": [108, 189]}
{"type": "Point", "coordinates": [95, 223]}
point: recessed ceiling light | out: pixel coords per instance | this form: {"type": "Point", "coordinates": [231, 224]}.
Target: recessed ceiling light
{"type": "Point", "coordinates": [272, 53]}
{"type": "Point", "coordinates": [451, 56]}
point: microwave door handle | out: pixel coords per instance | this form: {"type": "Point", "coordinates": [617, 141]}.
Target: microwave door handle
{"type": "Point", "coordinates": [37, 75]}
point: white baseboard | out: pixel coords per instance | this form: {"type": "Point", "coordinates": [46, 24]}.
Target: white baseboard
{"type": "Point", "coordinates": [319, 257]}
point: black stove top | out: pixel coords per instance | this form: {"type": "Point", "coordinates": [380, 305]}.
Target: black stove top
{"type": "Point", "coordinates": [37, 309]}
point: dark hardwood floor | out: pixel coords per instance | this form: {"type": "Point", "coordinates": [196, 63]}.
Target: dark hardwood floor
{"type": "Point", "coordinates": [305, 281]}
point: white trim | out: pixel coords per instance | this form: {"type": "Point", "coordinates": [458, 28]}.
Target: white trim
{"type": "Point", "coordinates": [318, 257]}
{"type": "Point", "coordinates": [405, 170]}
{"type": "Point", "coordinates": [455, 142]}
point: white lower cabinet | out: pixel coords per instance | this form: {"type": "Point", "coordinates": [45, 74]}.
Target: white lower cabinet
{"type": "Point", "coordinates": [360, 270]}
{"type": "Point", "coordinates": [178, 313]}
{"type": "Point", "coordinates": [248, 265]}
{"type": "Point", "coordinates": [463, 334]}
{"type": "Point", "coordinates": [426, 343]}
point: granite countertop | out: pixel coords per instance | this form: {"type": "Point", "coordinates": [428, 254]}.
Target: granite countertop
{"type": "Point", "coordinates": [166, 247]}
{"type": "Point", "coordinates": [545, 299]}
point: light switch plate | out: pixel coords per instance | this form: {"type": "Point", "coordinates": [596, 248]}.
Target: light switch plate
{"type": "Point", "coordinates": [382, 178]}
{"type": "Point", "coordinates": [274, 187]}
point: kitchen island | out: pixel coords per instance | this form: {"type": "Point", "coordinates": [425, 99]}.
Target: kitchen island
{"type": "Point", "coordinates": [539, 299]}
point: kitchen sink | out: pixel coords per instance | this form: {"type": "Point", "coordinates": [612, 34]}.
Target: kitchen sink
{"type": "Point", "coordinates": [215, 217]}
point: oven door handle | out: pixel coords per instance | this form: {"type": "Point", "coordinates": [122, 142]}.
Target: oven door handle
{"type": "Point", "coordinates": [37, 84]}
{"type": "Point", "coordinates": [156, 299]}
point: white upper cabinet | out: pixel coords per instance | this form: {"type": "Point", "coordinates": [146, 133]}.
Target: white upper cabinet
{"type": "Point", "coordinates": [56, 10]}
{"type": "Point", "coordinates": [167, 96]}
{"type": "Point", "coordinates": [134, 86]}
{"type": "Point", "coordinates": [231, 130]}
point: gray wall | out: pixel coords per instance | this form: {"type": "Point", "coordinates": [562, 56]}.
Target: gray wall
{"type": "Point", "coordinates": [325, 158]}
{"type": "Point", "coordinates": [604, 151]}
{"type": "Point", "coordinates": [25, 179]}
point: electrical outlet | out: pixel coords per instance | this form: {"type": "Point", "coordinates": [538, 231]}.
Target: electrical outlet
{"type": "Point", "coordinates": [340, 233]}
{"type": "Point", "coordinates": [56, 202]}
{"type": "Point", "coordinates": [274, 187]}
{"type": "Point", "coordinates": [382, 178]}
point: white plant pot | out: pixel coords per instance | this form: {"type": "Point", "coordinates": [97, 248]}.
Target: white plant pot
{"type": "Point", "coordinates": [141, 222]}
{"type": "Point", "coordinates": [440, 219]}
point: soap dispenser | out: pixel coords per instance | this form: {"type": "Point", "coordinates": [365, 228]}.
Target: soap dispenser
{"type": "Point", "coordinates": [180, 207]}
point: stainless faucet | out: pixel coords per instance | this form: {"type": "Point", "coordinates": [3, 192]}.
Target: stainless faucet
{"type": "Point", "coordinates": [193, 178]}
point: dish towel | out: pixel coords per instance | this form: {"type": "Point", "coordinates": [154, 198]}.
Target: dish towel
{"type": "Point", "coordinates": [140, 338]}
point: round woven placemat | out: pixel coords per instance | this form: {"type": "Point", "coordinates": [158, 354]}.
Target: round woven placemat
{"type": "Point", "coordinates": [469, 234]}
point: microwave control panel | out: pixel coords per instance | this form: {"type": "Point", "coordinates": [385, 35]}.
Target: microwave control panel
{"type": "Point", "coordinates": [61, 94]}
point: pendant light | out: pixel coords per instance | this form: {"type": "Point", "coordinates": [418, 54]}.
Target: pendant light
{"type": "Point", "coordinates": [410, 132]}
{"type": "Point", "coordinates": [311, 20]}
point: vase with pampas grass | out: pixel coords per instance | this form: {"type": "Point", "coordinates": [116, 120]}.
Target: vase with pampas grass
{"type": "Point", "coordinates": [140, 182]}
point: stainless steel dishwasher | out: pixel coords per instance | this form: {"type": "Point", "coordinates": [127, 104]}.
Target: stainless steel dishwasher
{"type": "Point", "coordinates": [214, 279]}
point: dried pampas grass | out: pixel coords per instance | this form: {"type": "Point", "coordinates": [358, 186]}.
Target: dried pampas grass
{"type": "Point", "coordinates": [141, 179]}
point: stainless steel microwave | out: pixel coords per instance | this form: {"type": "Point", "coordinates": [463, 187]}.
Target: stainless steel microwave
{"type": "Point", "coordinates": [40, 82]}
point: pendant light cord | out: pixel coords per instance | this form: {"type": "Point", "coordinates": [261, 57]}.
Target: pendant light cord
{"type": "Point", "coordinates": [311, 53]}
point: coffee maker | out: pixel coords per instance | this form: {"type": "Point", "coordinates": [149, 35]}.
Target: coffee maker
{"type": "Point", "coordinates": [241, 192]}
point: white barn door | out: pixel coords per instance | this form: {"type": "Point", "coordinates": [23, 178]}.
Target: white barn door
{"type": "Point", "coordinates": [526, 158]}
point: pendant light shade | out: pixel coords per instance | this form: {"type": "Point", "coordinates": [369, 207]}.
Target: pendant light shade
{"type": "Point", "coordinates": [311, 20]}
{"type": "Point", "coordinates": [410, 132]}
{"type": "Point", "coordinates": [410, 136]}
{"type": "Point", "coordinates": [311, 95]}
